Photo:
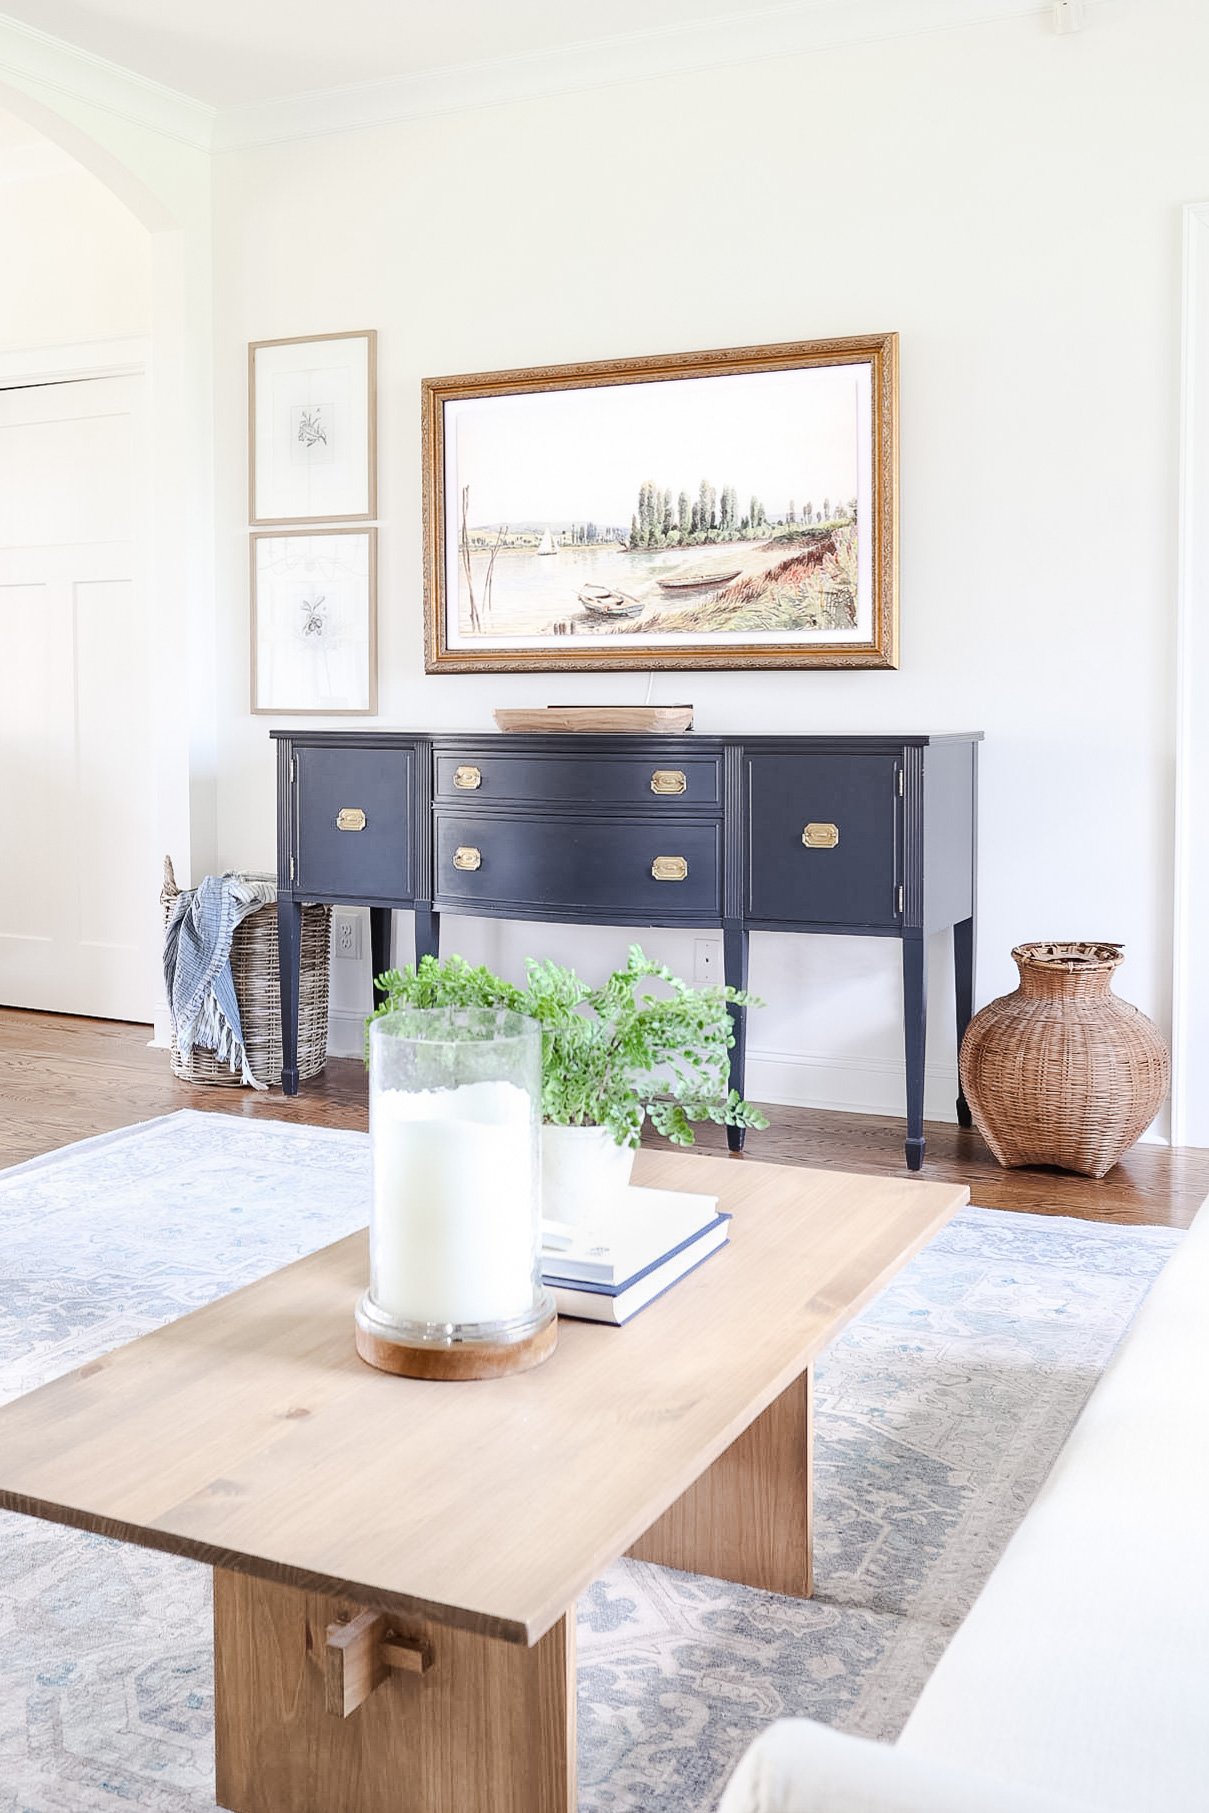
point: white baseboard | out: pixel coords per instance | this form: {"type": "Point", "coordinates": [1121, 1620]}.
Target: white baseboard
{"type": "Point", "coordinates": [789, 1079]}
{"type": "Point", "coordinates": [848, 1085]}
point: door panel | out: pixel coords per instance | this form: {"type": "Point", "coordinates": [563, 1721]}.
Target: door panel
{"type": "Point", "coordinates": [824, 838]}
{"type": "Point", "coordinates": [354, 823]}
{"type": "Point", "coordinates": [79, 927]}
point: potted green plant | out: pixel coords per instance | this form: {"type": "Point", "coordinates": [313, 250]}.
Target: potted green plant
{"type": "Point", "coordinates": [613, 1058]}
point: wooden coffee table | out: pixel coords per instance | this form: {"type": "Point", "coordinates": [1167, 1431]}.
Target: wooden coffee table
{"type": "Point", "coordinates": [396, 1562]}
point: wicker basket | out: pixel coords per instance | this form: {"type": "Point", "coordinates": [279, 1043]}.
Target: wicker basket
{"type": "Point", "coordinates": [1062, 1072]}
{"type": "Point", "coordinates": [254, 970]}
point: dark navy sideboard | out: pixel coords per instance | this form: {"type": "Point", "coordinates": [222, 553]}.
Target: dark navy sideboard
{"type": "Point", "coordinates": [862, 835]}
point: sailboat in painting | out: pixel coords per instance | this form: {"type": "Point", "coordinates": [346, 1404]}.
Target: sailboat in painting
{"type": "Point", "coordinates": [546, 544]}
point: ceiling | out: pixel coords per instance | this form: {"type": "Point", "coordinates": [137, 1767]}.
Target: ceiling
{"type": "Point", "coordinates": [231, 53]}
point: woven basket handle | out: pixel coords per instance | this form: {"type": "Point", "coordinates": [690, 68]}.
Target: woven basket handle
{"type": "Point", "coordinates": [169, 891]}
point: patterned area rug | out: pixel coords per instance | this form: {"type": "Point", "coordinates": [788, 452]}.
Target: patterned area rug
{"type": "Point", "coordinates": [939, 1413]}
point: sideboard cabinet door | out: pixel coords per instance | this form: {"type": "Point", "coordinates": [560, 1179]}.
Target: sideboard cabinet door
{"type": "Point", "coordinates": [824, 832]}
{"type": "Point", "coordinates": [353, 823]}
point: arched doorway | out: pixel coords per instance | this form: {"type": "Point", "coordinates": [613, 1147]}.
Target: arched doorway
{"type": "Point", "coordinates": [94, 762]}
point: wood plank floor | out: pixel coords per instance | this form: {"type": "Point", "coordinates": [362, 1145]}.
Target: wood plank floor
{"type": "Point", "coordinates": [63, 1079]}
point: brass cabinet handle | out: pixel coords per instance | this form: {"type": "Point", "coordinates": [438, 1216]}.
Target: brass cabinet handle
{"type": "Point", "coordinates": [669, 868]}
{"type": "Point", "coordinates": [350, 818]}
{"type": "Point", "coordinates": [467, 857]}
{"type": "Point", "coordinates": [669, 780]}
{"type": "Point", "coordinates": [821, 837]}
{"type": "Point", "coordinates": [467, 778]}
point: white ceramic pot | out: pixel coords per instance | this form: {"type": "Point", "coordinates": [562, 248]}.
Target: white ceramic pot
{"type": "Point", "coordinates": [584, 1173]}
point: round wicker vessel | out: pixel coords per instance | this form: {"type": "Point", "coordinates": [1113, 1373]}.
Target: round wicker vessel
{"type": "Point", "coordinates": [254, 971]}
{"type": "Point", "coordinates": [1062, 1071]}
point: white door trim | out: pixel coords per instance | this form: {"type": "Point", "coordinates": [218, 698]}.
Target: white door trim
{"type": "Point", "coordinates": [66, 364]}
{"type": "Point", "coordinates": [1190, 956]}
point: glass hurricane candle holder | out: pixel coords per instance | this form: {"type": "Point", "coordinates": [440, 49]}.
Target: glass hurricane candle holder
{"type": "Point", "coordinates": [455, 1285]}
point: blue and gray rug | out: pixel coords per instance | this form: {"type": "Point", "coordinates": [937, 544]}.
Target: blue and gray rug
{"type": "Point", "coordinates": [939, 1413]}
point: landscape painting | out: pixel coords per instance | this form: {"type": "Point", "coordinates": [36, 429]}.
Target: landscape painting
{"type": "Point", "coordinates": [705, 510]}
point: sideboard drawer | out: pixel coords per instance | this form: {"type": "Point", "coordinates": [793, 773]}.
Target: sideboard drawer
{"type": "Point", "coordinates": [587, 779]}
{"type": "Point", "coordinates": [635, 869]}
{"type": "Point", "coordinates": [352, 825]}
{"type": "Point", "coordinates": [824, 838]}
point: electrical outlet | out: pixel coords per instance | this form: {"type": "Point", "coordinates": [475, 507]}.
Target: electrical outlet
{"type": "Point", "coordinates": [346, 934]}
{"type": "Point", "coordinates": [707, 962]}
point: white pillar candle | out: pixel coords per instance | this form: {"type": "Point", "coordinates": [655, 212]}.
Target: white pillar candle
{"type": "Point", "coordinates": [454, 1232]}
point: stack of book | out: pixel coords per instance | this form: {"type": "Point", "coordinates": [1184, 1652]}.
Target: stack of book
{"type": "Point", "coordinates": [652, 1240]}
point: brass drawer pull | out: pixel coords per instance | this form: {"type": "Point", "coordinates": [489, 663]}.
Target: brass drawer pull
{"type": "Point", "coordinates": [350, 818]}
{"type": "Point", "coordinates": [669, 780]}
{"type": "Point", "coordinates": [821, 837]}
{"type": "Point", "coordinates": [467, 778]}
{"type": "Point", "coordinates": [467, 857]}
{"type": "Point", "coordinates": [669, 868]}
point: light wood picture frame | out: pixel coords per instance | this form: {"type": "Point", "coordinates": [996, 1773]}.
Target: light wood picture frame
{"type": "Point", "coordinates": [314, 622]}
{"type": "Point", "coordinates": [726, 509]}
{"type": "Point", "coordinates": [313, 428]}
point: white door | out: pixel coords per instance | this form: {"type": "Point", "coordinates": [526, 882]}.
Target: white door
{"type": "Point", "coordinates": [78, 870]}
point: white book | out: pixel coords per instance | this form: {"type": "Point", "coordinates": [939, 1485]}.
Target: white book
{"type": "Point", "coordinates": [609, 1303]}
{"type": "Point", "coordinates": [647, 1225]}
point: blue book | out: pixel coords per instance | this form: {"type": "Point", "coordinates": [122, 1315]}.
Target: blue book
{"type": "Point", "coordinates": [642, 1228]}
{"type": "Point", "coordinates": [616, 1303]}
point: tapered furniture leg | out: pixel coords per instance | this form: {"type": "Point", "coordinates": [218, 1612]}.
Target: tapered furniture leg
{"type": "Point", "coordinates": [428, 933]}
{"type": "Point", "coordinates": [748, 1517]}
{"type": "Point", "coordinates": [963, 970]}
{"type": "Point", "coordinates": [915, 1029]}
{"type": "Point", "coordinates": [381, 946]}
{"type": "Point", "coordinates": [487, 1727]}
{"type": "Point", "coordinates": [289, 961]}
{"type": "Point", "coordinates": [735, 943]}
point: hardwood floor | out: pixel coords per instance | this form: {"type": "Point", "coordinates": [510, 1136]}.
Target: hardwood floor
{"type": "Point", "coordinates": [63, 1079]}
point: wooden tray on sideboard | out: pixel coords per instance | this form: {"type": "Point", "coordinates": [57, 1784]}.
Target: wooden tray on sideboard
{"type": "Point", "coordinates": [660, 720]}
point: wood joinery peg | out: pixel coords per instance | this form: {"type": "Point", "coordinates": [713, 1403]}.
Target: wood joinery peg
{"type": "Point", "coordinates": [358, 1656]}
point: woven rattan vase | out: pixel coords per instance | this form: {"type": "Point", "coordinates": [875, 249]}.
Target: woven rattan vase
{"type": "Point", "coordinates": [1063, 1072]}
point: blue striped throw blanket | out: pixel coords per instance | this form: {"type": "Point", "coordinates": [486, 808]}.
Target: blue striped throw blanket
{"type": "Point", "coordinates": [197, 965]}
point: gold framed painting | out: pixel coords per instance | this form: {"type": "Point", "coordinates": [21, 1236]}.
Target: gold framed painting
{"type": "Point", "coordinates": [312, 428]}
{"type": "Point", "coordinates": [696, 510]}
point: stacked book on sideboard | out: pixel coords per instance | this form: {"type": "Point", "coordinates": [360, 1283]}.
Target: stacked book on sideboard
{"type": "Point", "coordinates": [652, 1240]}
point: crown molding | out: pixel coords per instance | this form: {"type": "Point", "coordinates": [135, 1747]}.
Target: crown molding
{"type": "Point", "coordinates": [32, 58]}
{"type": "Point", "coordinates": [802, 26]}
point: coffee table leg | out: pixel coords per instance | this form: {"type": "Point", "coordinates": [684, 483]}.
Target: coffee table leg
{"type": "Point", "coordinates": [488, 1728]}
{"type": "Point", "coordinates": [748, 1518]}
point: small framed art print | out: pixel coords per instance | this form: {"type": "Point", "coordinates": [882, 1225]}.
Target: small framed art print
{"type": "Point", "coordinates": [314, 622]}
{"type": "Point", "coordinates": [312, 428]}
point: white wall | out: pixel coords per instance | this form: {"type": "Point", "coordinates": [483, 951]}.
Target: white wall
{"type": "Point", "coordinates": [79, 262]}
{"type": "Point", "coordinates": [1009, 200]}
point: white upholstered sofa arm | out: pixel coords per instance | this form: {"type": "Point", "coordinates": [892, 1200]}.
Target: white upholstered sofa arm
{"type": "Point", "coordinates": [797, 1766]}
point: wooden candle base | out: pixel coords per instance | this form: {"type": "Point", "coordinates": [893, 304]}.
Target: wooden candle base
{"type": "Point", "coordinates": [460, 1359]}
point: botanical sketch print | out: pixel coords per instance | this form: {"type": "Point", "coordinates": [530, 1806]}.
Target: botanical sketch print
{"type": "Point", "coordinates": [312, 422]}
{"type": "Point", "coordinates": [311, 434]}
{"type": "Point", "coordinates": [730, 509]}
{"type": "Point", "coordinates": [314, 622]}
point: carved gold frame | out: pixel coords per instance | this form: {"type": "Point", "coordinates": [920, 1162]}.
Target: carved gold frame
{"type": "Point", "coordinates": [879, 351]}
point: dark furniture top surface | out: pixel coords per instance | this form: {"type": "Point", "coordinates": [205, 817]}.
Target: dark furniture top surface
{"type": "Point", "coordinates": [689, 738]}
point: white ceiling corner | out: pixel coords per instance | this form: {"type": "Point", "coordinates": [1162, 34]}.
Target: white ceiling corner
{"type": "Point", "coordinates": [738, 36]}
{"type": "Point", "coordinates": [723, 33]}
{"type": "Point", "coordinates": [33, 59]}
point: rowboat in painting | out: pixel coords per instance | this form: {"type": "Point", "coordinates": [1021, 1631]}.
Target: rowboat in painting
{"type": "Point", "coordinates": [603, 602]}
{"type": "Point", "coordinates": [698, 582]}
